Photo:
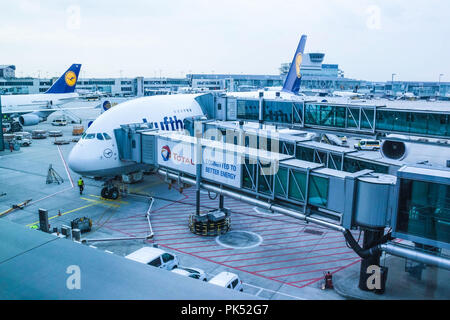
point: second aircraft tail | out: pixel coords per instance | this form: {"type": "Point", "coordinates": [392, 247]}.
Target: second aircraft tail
{"type": "Point", "coordinates": [294, 76]}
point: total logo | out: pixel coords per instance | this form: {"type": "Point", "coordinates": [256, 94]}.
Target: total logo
{"type": "Point", "coordinates": [165, 153]}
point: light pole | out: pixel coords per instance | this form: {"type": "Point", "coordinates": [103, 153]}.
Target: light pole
{"type": "Point", "coordinates": [392, 83]}
{"type": "Point", "coordinates": [439, 89]}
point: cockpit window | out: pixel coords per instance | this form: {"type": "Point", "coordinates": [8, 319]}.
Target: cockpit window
{"type": "Point", "coordinates": [83, 135]}
{"type": "Point", "coordinates": [90, 136]}
{"type": "Point", "coordinates": [99, 136]}
{"type": "Point", "coordinates": [107, 137]}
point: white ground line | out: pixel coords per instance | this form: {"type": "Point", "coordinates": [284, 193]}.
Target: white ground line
{"type": "Point", "coordinates": [51, 195]}
{"type": "Point", "coordinates": [65, 166]}
{"type": "Point", "coordinates": [277, 292]}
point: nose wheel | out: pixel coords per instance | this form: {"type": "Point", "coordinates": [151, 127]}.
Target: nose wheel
{"type": "Point", "coordinates": [110, 193]}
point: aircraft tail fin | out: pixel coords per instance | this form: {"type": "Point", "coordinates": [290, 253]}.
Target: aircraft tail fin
{"type": "Point", "coordinates": [294, 77]}
{"type": "Point", "coordinates": [67, 82]}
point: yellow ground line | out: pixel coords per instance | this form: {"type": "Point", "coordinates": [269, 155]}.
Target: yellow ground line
{"type": "Point", "coordinates": [118, 201]}
{"type": "Point", "coordinates": [77, 209]}
{"type": "Point", "coordinates": [102, 202]}
{"type": "Point", "coordinates": [146, 186]}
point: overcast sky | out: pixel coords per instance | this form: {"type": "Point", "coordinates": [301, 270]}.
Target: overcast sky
{"type": "Point", "coordinates": [369, 39]}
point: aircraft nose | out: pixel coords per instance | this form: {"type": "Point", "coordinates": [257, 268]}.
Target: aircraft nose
{"type": "Point", "coordinates": [80, 161]}
{"type": "Point", "coordinates": [75, 161]}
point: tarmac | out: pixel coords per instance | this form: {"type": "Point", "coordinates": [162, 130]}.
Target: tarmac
{"type": "Point", "coordinates": [277, 257]}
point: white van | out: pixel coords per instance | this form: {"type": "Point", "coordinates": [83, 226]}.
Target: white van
{"type": "Point", "coordinates": [155, 257]}
{"type": "Point", "coordinates": [227, 280]}
{"type": "Point", "coordinates": [59, 122]}
{"type": "Point", "coordinates": [365, 144]}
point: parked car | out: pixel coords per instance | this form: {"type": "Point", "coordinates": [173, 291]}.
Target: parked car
{"type": "Point", "coordinates": [194, 273]}
{"type": "Point", "coordinates": [24, 142]}
{"type": "Point", "coordinates": [59, 122]}
{"type": "Point", "coordinates": [227, 280]}
{"type": "Point", "coordinates": [155, 257]}
{"type": "Point", "coordinates": [365, 144]}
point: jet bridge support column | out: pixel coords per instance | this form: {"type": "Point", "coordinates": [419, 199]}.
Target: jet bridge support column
{"type": "Point", "coordinates": [212, 223]}
{"type": "Point", "coordinates": [198, 165]}
{"type": "Point", "coordinates": [372, 218]}
{"type": "Point", "coordinates": [369, 265]}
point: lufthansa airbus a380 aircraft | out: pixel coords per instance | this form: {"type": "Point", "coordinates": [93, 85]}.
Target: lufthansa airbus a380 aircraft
{"type": "Point", "coordinates": [34, 108]}
{"type": "Point", "coordinates": [97, 155]}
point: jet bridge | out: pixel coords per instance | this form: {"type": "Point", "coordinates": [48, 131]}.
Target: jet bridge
{"type": "Point", "coordinates": [299, 144]}
{"type": "Point", "coordinates": [350, 118]}
{"type": "Point", "coordinates": [308, 191]}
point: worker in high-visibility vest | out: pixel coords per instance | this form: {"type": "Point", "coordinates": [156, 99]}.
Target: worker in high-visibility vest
{"type": "Point", "coordinates": [81, 185]}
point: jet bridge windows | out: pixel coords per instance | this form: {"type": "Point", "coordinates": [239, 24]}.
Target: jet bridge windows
{"type": "Point", "coordinates": [424, 210]}
{"type": "Point", "coordinates": [423, 206]}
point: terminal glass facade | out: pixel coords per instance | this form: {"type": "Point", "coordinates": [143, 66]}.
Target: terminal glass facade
{"type": "Point", "coordinates": [424, 210]}
{"type": "Point", "coordinates": [351, 117]}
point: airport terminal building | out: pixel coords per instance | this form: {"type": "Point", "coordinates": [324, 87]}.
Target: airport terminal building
{"type": "Point", "coordinates": [317, 77]}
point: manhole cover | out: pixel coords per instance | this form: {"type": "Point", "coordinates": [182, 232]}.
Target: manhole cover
{"type": "Point", "coordinates": [312, 231]}
{"type": "Point", "coordinates": [239, 239]}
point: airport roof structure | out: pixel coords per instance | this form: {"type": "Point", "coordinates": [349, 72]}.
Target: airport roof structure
{"type": "Point", "coordinates": [34, 265]}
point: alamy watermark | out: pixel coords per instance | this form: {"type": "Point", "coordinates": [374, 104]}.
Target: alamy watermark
{"type": "Point", "coordinates": [73, 21]}
{"type": "Point", "coordinates": [74, 280]}
{"type": "Point", "coordinates": [373, 282]}
{"type": "Point", "coordinates": [373, 21]}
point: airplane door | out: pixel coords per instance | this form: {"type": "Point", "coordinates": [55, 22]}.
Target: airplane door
{"type": "Point", "coordinates": [220, 108]}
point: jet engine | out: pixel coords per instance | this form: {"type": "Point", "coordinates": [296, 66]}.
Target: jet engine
{"type": "Point", "coordinates": [395, 150]}
{"type": "Point", "coordinates": [29, 119]}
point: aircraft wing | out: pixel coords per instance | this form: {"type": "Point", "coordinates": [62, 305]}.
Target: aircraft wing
{"type": "Point", "coordinates": [24, 111]}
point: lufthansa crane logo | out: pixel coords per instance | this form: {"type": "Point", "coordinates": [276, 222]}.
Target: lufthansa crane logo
{"type": "Point", "coordinates": [70, 78]}
{"type": "Point", "coordinates": [298, 62]}
{"type": "Point", "coordinates": [107, 153]}
{"type": "Point", "coordinates": [165, 153]}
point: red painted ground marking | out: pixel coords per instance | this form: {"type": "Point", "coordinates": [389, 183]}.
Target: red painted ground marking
{"type": "Point", "coordinates": [158, 219]}
{"type": "Point", "coordinates": [225, 265]}
{"type": "Point", "coordinates": [170, 227]}
{"type": "Point", "coordinates": [303, 265]}
{"type": "Point", "coordinates": [165, 233]}
{"type": "Point", "coordinates": [300, 239]}
{"type": "Point", "coordinates": [286, 254]}
{"type": "Point", "coordinates": [212, 241]}
{"type": "Point", "coordinates": [295, 259]}
{"type": "Point", "coordinates": [265, 245]}
{"type": "Point", "coordinates": [341, 268]}
{"type": "Point", "coordinates": [279, 249]}
{"type": "Point", "coordinates": [303, 272]}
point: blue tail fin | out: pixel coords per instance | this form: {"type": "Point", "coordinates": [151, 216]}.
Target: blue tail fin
{"type": "Point", "coordinates": [67, 82]}
{"type": "Point", "coordinates": [294, 77]}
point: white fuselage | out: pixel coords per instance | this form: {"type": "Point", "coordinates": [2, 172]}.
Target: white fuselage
{"type": "Point", "coordinates": [97, 155]}
{"type": "Point", "coordinates": [26, 102]}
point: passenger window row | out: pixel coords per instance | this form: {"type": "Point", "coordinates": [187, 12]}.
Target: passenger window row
{"type": "Point", "coordinates": [100, 136]}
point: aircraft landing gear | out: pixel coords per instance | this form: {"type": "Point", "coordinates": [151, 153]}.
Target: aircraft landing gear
{"type": "Point", "coordinates": [110, 191]}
